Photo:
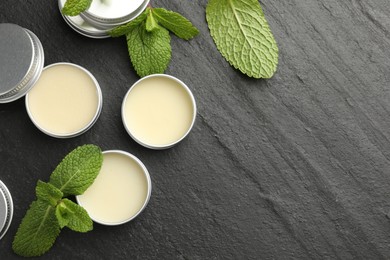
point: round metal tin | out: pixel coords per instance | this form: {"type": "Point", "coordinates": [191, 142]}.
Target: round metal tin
{"type": "Point", "coordinates": [152, 146]}
{"type": "Point", "coordinates": [90, 124]}
{"type": "Point", "coordinates": [21, 61]}
{"type": "Point", "coordinates": [6, 209]}
{"type": "Point", "coordinates": [148, 195]}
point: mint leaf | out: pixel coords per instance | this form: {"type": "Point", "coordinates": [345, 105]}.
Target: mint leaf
{"type": "Point", "coordinates": [127, 28]}
{"type": "Point", "coordinates": [38, 230]}
{"type": "Point", "coordinates": [151, 23]}
{"type": "Point", "coordinates": [77, 217]}
{"type": "Point", "coordinates": [78, 170]}
{"type": "Point", "coordinates": [75, 7]}
{"type": "Point", "coordinates": [243, 36]}
{"type": "Point", "coordinates": [176, 23]}
{"type": "Point", "coordinates": [47, 192]}
{"type": "Point", "coordinates": [150, 52]}
{"type": "Point", "coordinates": [63, 214]}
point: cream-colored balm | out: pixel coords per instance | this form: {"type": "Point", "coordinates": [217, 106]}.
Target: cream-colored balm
{"type": "Point", "coordinates": [65, 101]}
{"type": "Point", "coordinates": [120, 191]}
{"type": "Point", "coordinates": [158, 111]}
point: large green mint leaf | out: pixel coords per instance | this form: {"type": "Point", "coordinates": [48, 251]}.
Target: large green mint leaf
{"type": "Point", "coordinates": [176, 23]}
{"type": "Point", "coordinates": [77, 218]}
{"type": "Point", "coordinates": [243, 36]}
{"type": "Point", "coordinates": [127, 28]}
{"type": "Point", "coordinates": [49, 193]}
{"type": "Point", "coordinates": [150, 52]}
{"type": "Point", "coordinates": [75, 7]}
{"type": "Point", "coordinates": [38, 230]}
{"type": "Point", "coordinates": [78, 170]}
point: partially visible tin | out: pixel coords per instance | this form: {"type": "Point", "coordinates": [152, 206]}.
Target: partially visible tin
{"type": "Point", "coordinates": [83, 27]}
{"type": "Point", "coordinates": [102, 16]}
{"type": "Point", "coordinates": [21, 61]}
{"type": "Point", "coordinates": [6, 209]}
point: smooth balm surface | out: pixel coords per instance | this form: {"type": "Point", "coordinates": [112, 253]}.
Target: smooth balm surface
{"type": "Point", "coordinates": [119, 191]}
{"type": "Point", "coordinates": [64, 100]}
{"type": "Point", "coordinates": [158, 111]}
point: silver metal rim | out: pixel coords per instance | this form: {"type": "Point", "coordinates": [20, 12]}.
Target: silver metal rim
{"type": "Point", "coordinates": [148, 195]}
{"type": "Point", "coordinates": [159, 147]}
{"type": "Point", "coordinates": [10, 211]}
{"type": "Point", "coordinates": [98, 34]}
{"type": "Point", "coordinates": [32, 75]}
{"type": "Point", "coordinates": [90, 124]}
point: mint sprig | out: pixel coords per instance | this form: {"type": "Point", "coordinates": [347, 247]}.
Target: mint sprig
{"type": "Point", "coordinates": [50, 212]}
{"type": "Point", "coordinates": [148, 38]}
{"type": "Point", "coordinates": [75, 7]}
{"type": "Point", "coordinates": [243, 36]}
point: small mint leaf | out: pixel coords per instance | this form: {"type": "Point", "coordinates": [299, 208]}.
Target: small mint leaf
{"type": "Point", "coordinates": [78, 218]}
{"type": "Point", "coordinates": [150, 52]}
{"type": "Point", "coordinates": [63, 214]}
{"type": "Point", "coordinates": [75, 7]}
{"type": "Point", "coordinates": [127, 28]}
{"type": "Point", "coordinates": [243, 36]}
{"type": "Point", "coordinates": [38, 230]}
{"type": "Point", "coordinates": [47, 192]}
{"type": "Point", "coordinates": [78, 170]}
{"type": "Point", "coordinates": [176, 23]}
{"type": "Point", "coordinates": [151, 23]}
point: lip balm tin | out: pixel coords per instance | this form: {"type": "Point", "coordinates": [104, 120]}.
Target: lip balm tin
{"type": "Point", "coordinates": [21, 65]}
{"type": "Point", "coordinates": [147, 144]}
{"type": "Point", "coordinates": [21, 61]}
{"type": "Point", "coordinates": [85, 127]}
{"type": "Point", "coordinates": [102, 16]}
{"type": "Point", "coordinates": [99, 219]}
{"type": "Point", "coordinates": [6, 209]}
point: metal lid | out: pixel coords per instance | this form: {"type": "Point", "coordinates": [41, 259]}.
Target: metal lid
{"type": "Point", "coordinates": [6, 209]}
{"type": "Point", "coordinates": [3, 210]}
{"type": "Point", "coordinates": [21, 61]}
{"type": "Point", "coordinates": [111, 13]}
{"type": "Point", "coordinates": [16, 56]}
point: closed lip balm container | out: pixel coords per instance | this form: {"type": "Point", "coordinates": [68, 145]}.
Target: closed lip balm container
{"type": "Point", "coordinates": [6, 209]}
{"type": "Point", "coordinates": [120, 192]}
{"type": "Point", "coordinates": [63, 100]}
{"type": "Point", "coordinates": [102, 16]}
{"type": "Point", "coordinates": [158, 111]}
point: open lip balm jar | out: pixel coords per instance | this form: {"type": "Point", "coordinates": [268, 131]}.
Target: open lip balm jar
{"type": "Point", "coordinates": [63, 100]}
{"type": "Point", "coordinates": [120, 192]}
{"type": "Point", "coordinates": [158, 111]}
{"type": "Point", "coordinates": [104, 15]}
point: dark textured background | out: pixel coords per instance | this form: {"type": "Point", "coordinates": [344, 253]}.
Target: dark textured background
{"type": "Point", "coordinates": [292, 167]}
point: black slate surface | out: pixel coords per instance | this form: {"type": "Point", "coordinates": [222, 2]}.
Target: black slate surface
{"type": "Point", "coordinates": [295, 167]}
